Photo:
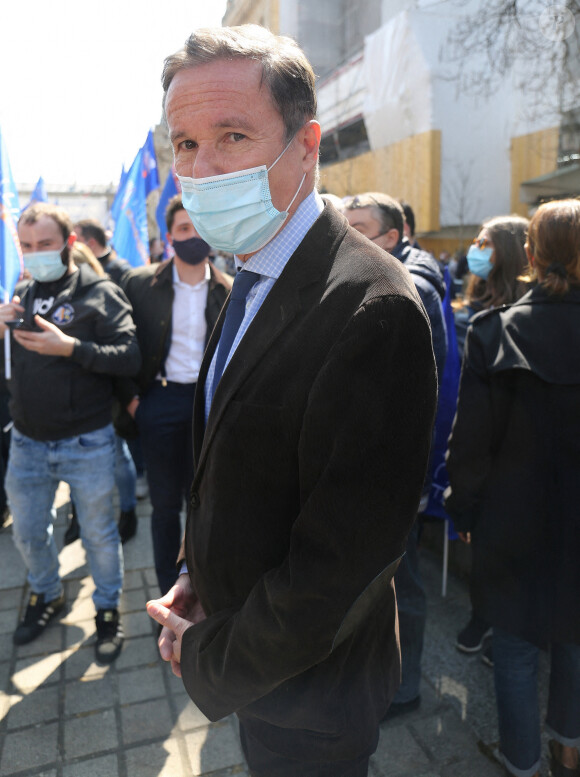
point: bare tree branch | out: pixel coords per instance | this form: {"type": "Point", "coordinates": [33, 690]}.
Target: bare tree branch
{"type": "Point", "coordinates": [534, 41]}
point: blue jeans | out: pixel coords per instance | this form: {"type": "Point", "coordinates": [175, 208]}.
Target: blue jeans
{"type": "Point", "coordinates": [412, 609]}
{"type": "Point", "coordinates": [164, 417]}
{"type": "Point", "coordinates": [125, 475]}
{"type": "Point", "coordinates": [86, 463]}
{"type": "Point", "coordinates": [516, 689]}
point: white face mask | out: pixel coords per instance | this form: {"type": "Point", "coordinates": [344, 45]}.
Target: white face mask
{"type": "Point", "coordinates": [45, 266]}
{"type": "Point", "coordinates": [234, 212]}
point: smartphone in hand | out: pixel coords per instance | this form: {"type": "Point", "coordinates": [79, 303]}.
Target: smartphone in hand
{"type": "Point", "coordinates": [20, 323]}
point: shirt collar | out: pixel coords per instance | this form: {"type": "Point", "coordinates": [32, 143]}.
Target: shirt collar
{"type": "Point", "coordinates": [272, 258]}
{"type": "Point", "coordinates": [178, 282]}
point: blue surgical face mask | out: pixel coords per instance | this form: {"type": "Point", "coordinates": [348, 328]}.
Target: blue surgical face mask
{"type": "Point", "coordinates": [45, 266]}
{"type": "Point", "coordinates": [234, 212]}
{"type": "Point", "coordinates": [478, 260]}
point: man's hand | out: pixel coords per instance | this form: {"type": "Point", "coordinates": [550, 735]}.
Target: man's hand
{"type": "Point", "coordinates": [50, 342]}
{"type": "Point", "coordinates": [10, 312]}
{"type": "Point", "coordinates": [177, 611]}
{"type": "Point", "coordinates": [132, 406]}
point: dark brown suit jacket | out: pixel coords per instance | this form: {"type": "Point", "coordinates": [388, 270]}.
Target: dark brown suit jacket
{"type": "Point", "coordinates": [307, 481]}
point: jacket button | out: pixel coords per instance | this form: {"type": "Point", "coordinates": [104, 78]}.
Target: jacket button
{"type": "Point", "coordinates": [195, 500]}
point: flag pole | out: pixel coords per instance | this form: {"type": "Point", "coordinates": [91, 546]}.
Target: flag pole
{"type": "Point", "coordinates": [7, 351]}
{"type": "Point", "coordinates": [445, 558]}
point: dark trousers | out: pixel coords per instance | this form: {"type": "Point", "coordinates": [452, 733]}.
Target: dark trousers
{"type": "Point", "coordinates": [265, 763]}
{"type": "Point", "coordinates": [412, 608]}
{"type": "Point", "coordinates": [137, 455]}
{"type": "Point", "coordinates": [164, 420]}
{"type": "Point", "coordinates": [4, 448]}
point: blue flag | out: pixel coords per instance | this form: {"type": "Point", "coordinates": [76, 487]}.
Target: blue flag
{"type": "Point", "coordinates": [171, 188]}
{"type": "Point", "coordinates": [123, 177]}
{"type": "Point", "coordinates": [38, 195]}
{"type": "Point", "coordinates": [147, 170]}
{"type": "Point", "coordinates": [150, 172]}
{"type": "Point", "coordinates": [448, 390]}
{"type": "Point", "coordinates": [114, 212]}
{"type": "Point", "coordinates": [130, 236]}
{"type": "Point", "coordinates": [10, 253]}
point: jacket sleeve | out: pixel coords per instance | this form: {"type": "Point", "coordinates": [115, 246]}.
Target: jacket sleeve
{"type": "Point", "coordinates": [469, 454]}
{"type": "Point", "coordinates": [434, 309]}
{"type": "Point", "coordinates": [362, 456]}
{"type": "Point", "coordinates": [114, 349]}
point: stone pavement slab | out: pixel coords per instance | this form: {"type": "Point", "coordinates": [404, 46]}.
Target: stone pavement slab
{"type": "Point", "coordinates": [23, 752]}
{"type": "Point", "coordinates": [213, 748]}
{"type": "Point", "coordinates": [62, 715]}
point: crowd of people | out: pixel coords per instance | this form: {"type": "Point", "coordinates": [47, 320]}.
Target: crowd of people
{"type": "Point", "coordinates": [310, 383]}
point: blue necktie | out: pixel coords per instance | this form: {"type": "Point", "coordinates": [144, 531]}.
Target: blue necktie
{"type": "Point", "coordinates": [243, 282]}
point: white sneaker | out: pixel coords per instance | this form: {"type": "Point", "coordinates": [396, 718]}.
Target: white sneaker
{"type": "Point", "coordinates": [141, 488]}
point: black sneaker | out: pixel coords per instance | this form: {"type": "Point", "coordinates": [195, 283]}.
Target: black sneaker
{"type": "Point", "coordinates": [127, 525]}
{"type": "Point", "coordinates": [109, 636]}
{"type": "Point", "coordinates": [38, 614]}
{"type": "Point", "coordinates": [402, 708]}
{"type": "Point", "coordinates": [471, 638]}
{"type": "Point", "coordinates": [487, 655]}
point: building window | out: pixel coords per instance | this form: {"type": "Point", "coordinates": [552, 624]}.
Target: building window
{"type": "Point", "coordinates": [344, 142]}
{"type": "Point", "coordinates": [569, 140]}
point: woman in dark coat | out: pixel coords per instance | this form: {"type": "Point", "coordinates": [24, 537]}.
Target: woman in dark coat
{"type": "Point", "coordinates": [514, 470]}
{"type": "Point", "coordinates": [496, 260]}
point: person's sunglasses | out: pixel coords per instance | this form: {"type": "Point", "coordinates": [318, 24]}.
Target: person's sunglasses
{"type": "Point", "coordinates": [483, 243]}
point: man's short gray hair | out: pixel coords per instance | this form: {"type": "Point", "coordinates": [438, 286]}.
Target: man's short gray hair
{"type": "Point", "coordinates": [387, 211]}
{"type": "Point", "coordinates": [285, 69]}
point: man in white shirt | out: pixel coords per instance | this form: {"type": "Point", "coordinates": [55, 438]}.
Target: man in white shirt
{"type": "Point", "coordinates": [175, 306]}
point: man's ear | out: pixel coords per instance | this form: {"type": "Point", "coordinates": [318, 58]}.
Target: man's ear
{"type": "Point", "coordinates": [309, 138]}
{"type": "Point", "coordinates": [169, 238]}
{"type": "Point", "coordinates": [394, 235]}
{"type": "Point", "coordinates": [72, 239]}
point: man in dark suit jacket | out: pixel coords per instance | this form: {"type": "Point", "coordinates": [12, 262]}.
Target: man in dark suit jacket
{"type": "Point", "coordinates": [175, 307]}
{"type": "Point", "coordinates": [310, 451]}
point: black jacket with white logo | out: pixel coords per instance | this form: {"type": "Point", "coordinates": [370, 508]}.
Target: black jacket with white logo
{"type": "Point", "coordinates": [53, 397]}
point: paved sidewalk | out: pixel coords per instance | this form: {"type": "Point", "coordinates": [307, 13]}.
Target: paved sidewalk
{"type": "Point", "coordinates": [64, 716]}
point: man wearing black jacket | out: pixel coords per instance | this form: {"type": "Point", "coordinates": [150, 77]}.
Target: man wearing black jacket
{"type": "Point", "coordinates": [382, 219]}
{"type": "Point", "coordinates": [90, 232]}
{"type": "Point", "coordinates": [61, 395]}
{"type": "Point", "coordinates": [175, 306]}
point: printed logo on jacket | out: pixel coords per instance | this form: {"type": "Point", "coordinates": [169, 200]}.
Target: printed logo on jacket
{"type": "Point", "coordinates": [63, 314]}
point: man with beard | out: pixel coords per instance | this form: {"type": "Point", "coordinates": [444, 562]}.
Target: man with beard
{"type": "Point", "coordinates": [76, 333]}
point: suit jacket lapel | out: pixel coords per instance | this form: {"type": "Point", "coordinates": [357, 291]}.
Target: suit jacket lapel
{"type": "Point", "coordinates": [278, 310]}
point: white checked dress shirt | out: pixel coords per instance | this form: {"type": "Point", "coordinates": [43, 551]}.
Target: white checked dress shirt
{"type": "Point", "coordinates": [269, 262]}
